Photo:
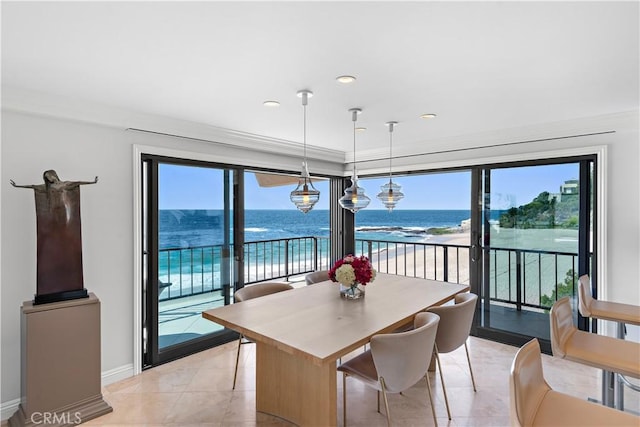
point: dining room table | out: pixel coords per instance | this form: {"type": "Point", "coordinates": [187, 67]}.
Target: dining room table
{"type": "Point", "coordinates": [300, 334]}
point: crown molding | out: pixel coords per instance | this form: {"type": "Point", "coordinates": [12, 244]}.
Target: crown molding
{"type": "Point", "coordinates": [54, 106]}
{"type": "Point", "coordinates": [614, 122]}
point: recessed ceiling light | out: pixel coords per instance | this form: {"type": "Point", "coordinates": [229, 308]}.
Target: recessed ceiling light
{"type": "Point", "coordinates": [360, 129]}
{"type": "Point", "coordinates": [428, 116]}
{"type": "Point", "coordinates": [346, 79]}
{"type": "Point", "coordinates": [271, 103]}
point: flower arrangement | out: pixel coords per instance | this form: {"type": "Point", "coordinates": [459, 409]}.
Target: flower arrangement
{"type": "Point", "coordinates": [352, 270]}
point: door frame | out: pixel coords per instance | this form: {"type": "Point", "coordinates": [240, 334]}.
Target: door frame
{"type": "Point", "coordinates": [235, 203]}
{"type": "Point", "coordinates": [138, 152]}
{"type": "Point", "coordinates": [596, 148]}
{"type": "Point", "coordinates": [220, 160]}
{"type": "Point", "coordinates": [478, 254]}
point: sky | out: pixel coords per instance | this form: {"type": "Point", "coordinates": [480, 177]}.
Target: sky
{"type": "Point", "coordinates": [188, 187]}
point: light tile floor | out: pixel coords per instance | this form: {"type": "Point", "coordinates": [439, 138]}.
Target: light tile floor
{"type": "Point", "coordinates": [196, 391]}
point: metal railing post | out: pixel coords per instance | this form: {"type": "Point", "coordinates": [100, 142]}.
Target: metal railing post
{"type": "Point", "coordinates": [445, 274]}
{"type": "Point", "coordinates": [286, 258]}
{"type": "Point", "coordinates": [518, 280]}
{"type": "Point", "coordinates": [315, 253]}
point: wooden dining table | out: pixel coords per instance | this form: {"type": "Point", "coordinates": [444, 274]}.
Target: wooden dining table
{"type": "Point", "coordinates": [301, 333]}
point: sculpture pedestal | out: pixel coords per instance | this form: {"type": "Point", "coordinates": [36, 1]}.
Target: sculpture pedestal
{"type": "Point", "coordinates": [60, 369]}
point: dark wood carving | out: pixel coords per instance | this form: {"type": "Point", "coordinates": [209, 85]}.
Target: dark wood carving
{"type": "Point", "coordinates": [59, 234]}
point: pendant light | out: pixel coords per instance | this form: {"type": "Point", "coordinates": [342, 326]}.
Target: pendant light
{"type": "Point", "coordinates": [305, 196]}
{"type": "Point", "coordinates": [390, 193]}
{"type": "Point", "coordinates": [354, 198]}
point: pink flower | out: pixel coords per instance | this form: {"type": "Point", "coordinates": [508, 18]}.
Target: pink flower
{"type": "Point", "coordinates": [362, 270]}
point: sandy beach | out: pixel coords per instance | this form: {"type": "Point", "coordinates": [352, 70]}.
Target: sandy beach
{"type": "Point", "coordinates": [426, 261]}
{"type": "Point", "coordinates": [542, 271]}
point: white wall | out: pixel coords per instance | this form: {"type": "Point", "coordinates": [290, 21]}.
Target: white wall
{"type": "Point", "coordinates": [79, 151]}
{"type": "Point", "coordinates": [623, 217]}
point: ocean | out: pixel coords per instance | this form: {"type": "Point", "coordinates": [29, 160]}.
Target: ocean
{"type": "Point", "coordinates": [195, 228]}
{"type": "Point", "coordinates": [190, 241]}
{"type": "Point", "coordinates": [191, 255]}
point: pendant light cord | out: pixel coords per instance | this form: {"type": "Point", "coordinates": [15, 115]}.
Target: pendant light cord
{"type": "Point", "coordinates": [304, 127]}
{"type": "Point", "coordinates": [354, 142]}
{"type": "Point", "coordinates": [390, 148]}
{"type": "Point", "coordinates": [354, 118]}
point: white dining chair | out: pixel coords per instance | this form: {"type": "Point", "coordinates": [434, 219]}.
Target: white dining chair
{"type": "Point", "coordinates": [394, 362]}
{"type": "Point", "coordinates": [453, 332]}
{"type": "Point", "coordinates": [316, 276]}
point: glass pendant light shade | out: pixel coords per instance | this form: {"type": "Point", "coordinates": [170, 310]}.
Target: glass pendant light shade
{"type": "Point", "coordinates": [305, 196]}
{"type": "Point", "coordinates": [354, 198]}
{"type": "Point", "coordinates": [390, 193]}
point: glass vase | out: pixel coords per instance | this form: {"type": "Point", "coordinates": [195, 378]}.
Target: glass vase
{"type": "Point", "coordinates": [355, 291]}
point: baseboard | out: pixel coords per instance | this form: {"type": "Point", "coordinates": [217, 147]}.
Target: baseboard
{"type": "Point", "coordinates": [117, 374]}
{"type": "Point", "coordinates": [7, 409]}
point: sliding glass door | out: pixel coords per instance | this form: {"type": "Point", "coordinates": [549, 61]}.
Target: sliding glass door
{"type": "Point", "coordinates": [189, 255]}
{"type": "Point", "coordinates": [531, 237]}
{"type": "Point", "coordinates": [204, 240]}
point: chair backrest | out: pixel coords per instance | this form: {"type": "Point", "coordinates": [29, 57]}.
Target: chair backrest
{"type": "Point", "coordinates": [527, 386]}
{"type": "Point", "coordinates": [260, 290]}
{"type": "Point", "coordinates": [561, 324]}
{"type": "Point", "coordinates": [399, 357]}
{"type": "Point", "coordinates": [584, 296]}
{"type": "Point", "coordinates": [316, 276]}
{"type": "Point", "coordinates": [455, 322]}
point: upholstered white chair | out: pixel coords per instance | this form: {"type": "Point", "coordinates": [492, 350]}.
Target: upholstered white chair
{"type": "Point", "coordinates": [395, 362]}
{"type": "Point", "coordinates": [599, 351]}
{"type": "Point", "coordinates": [534, 403]}
{"type": "Point", "coordinates": [251, 292]}
{"type": "Point", "coordinates": [605, 310]}
{"type": "Point", "coordinates": [316, 276]}
{"type": "Point", "coordinates": [453, 332]}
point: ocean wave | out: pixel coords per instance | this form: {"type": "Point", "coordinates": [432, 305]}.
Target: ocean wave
{"type": "Point", "coordinates": [394, 230]}
{"type": "Point", "coordinates": [256, 230]}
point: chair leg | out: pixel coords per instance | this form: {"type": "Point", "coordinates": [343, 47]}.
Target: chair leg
{"type": "Point", "coordinates": [344, 399]}
{"type": "Point", "coordinates": [433, 409]}
{"type": "Point", "coordinates": [470, 370]}
{"type": "Point", "coordinates": [444, 389]}
{"type": "Point", "coordinates": [235, 374]}
{"type": "Point", "coordinates": [378, 396]}
{"type": "Point", "coordinates": [386, 403]}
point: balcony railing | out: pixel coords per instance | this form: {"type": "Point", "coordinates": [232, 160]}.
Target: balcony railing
{"type": "Point", "coordinates": [522, 277]}
{"type": "Point", "coordinates": [283, 258]}
{"type": "Point", "coordinates": [189, 271]}
{"type": "Point", "coordinates": [197, 270]}
{"type": "Point", "coordinates": [437, 261]}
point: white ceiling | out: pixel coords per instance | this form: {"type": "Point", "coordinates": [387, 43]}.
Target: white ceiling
{"type": "Point", "coordinates": [480, 66]}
